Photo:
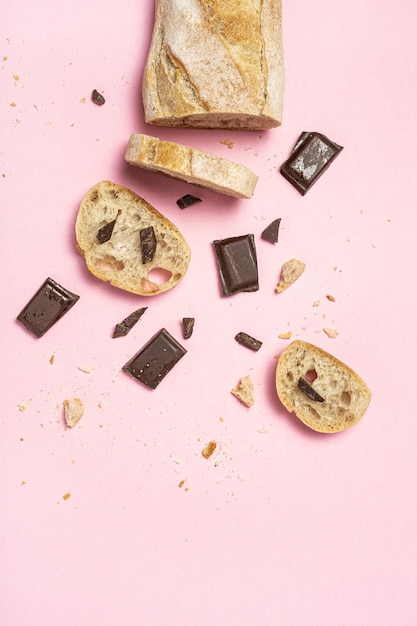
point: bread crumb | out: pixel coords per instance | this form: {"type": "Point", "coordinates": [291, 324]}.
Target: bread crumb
{"type": "Point", "coordinates": [52, 359]}
{"type": "Point", "coordinates": [290, 272]}
{"type": "Point", "coordinates": [73, 411]}
{"type": "Point", "coordinates": [228, 143]}
{"type": "Point", "coordinates": [331, 332]}
{"type": "Point", "coordinates": [316, 303]}
{"type": "Point", "coordinates": [286, 335]}
{"type": "Point", "coordinates": [209, 449]}
{"type": "Point", "coordinates": [22, 406]}
{"type": "Point", "coordinates": [181, 484]}
{"type": "Point", "coordinates": [23, 482]}
{"type": "Point", "coordinates": [13, 104]}
{"type": "Point", "coordinates": [85, 369]}
{"type": "Point", "coordinates": [331, 298]}
{"type": "Point", "coordinates": [66, 496]}
{"type": "Point", "coordinates": [244, 391]}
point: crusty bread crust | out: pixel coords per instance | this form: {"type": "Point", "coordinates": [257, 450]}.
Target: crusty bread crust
{"type": "Point", "coordinates": [346, 396]}
{"type": "Point", "coordinates": [215, 64]}
{"type": "Point", "coordinates": [118, 260]}
{"type": "Point", "coordinates": [190, 165]}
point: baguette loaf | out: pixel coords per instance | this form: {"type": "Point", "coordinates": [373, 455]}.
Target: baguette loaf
{"type": "Point", "coordinates": [109, 229]}
{"type": "Point", "coordinates": [191, 165]}
{"type": "Point", "coordinates": [215, 64]}
{"type": "Point", "coordinates": [325, 394]}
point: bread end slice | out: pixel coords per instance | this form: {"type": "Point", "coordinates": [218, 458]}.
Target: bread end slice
{"type": "Point", "coordinates": [334, 397]}
{"type": "Point", "coordinates": [190, 165]}
{"type": "Point", "coordinates": [119, 259]}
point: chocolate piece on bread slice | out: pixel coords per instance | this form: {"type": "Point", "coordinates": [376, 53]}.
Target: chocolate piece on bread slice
{"type": "Point", "coordinates": [340, 396]}
{"type": "Point", "coordinates": [190, 165]}
{"type": "Point", "coordinates": [119, 259]}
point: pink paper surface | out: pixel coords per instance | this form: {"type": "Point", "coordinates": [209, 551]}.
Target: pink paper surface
{"type": "Point", "coordinates": [281, 525]}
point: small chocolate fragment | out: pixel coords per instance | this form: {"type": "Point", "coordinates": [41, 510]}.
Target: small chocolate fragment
{"type": "Point", "coordinates": [249, 342]}
{"type": "Point", "coordinates": [105, 232]}
{"type": "Point", "coordinates": [153, 362]}
{"type": "Point", "coordinates": [46, 307]}
{"type": "Point", "coordinates": [271, 232]}
{"type": "Point", "coordinates": [310, 158]}
{"type": "Point", "coordinates": [147, 244]}
{"type": "Point", "coordinates": [188, 200]}
{"type": "Point", "coordinates": [128, 323]}
{"type": "Point", "coordinates": [188, 326]}
{"type": "Point", "coordinates": [309, 391]}
{"type": "Point", "coordinates": [237, 264]}
{"type": "Point", "coordinates": [97, 98]}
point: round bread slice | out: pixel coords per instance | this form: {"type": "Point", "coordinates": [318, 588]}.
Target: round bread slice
{"type": "Point", "coordinates": [324, 393]}
{"type": "Point", "coordinates": [109, 227]}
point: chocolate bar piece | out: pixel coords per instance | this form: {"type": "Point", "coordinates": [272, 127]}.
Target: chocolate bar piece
{"type": "Point", "coordinates": [188, 200]}
{"type": "Point", "coordinates": [153, 362]}
{"type": "Point", "coordinates": [310, 158]}
{"type": "Point", "coordinates": [97, 98]}
{"type": "Point", "coordinates": [46, 307]}
{"type": "Point", "coordinates": [309, 391]}
{"type": "Point", "coordinates": [105, 232]}
{"type": "Point", "coordinates": [188, 326]}
{"type": "Point", "coordinates": [249, 342]}
{"type": "Point", "coordinates": [270, 233]}
{"type": "Point", "coordinates": [237, 264]}
{"type": "Point", "coordinates": [128, 323]}
{"type": "Point", "coordinates": [147, 244]}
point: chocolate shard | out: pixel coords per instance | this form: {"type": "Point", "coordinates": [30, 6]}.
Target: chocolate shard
{"type": "Point", "coordinates": [237, 264]}
{"type": "Point", "coordinates": [188, 326]}
{"type": "Point", "coordinates": [310, 158]}
{"type": "Point", "coordinates": [46, 307]}
{"type": "Point", "coordinates": [97, 98]}
{"type": "Point", "coordinates": [188, 200]}
{"type": "Point", "coordinates": [105, 232]}
{"type": "Point", "coordinates": [270, 233]}
{"type": "Point", "coordinates": [249, 342]}
{"type": "Point", "coordinates": [153, 362]}
{"type": "Point", "coordinates": [147, 244]}
{"type": "Point", "coordinates": [309, 391]}
{"type": "Point", "coordinates": [128, 323]}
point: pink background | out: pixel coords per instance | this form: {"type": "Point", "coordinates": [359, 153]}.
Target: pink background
{"type": "Point", "coordinates": [281, 525]}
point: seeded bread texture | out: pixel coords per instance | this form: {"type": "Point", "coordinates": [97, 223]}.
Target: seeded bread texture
{"type": "Point", "coordinates": [346, 396]}
{"type": "Point", "coordinates": [119, 260]}
{"type": "Point", "coordinates": [190, 165]}
{"type": "Point", "coordinates": [215, 64]}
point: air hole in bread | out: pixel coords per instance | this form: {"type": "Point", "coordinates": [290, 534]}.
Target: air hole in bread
{"type": "Point", "coordinates": [159, 276]}
{"type": "Point", "coordinates": [311, 376]}
{"type": "Point", "coordinates": [314, 413]}
{"type": "Point", "coordinates": [346, 398]}
{"type": "Point", "coordinates": [108, 263]}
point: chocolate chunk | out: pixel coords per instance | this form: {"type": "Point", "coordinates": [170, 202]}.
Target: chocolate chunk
{"type": "Point", "coordinates": [153, 362]}
{"type": "Point", "coordinates": [237, 264]}
{"type": "Point", "coordinates": [47, 306]}
{"type": "Point", "coordinates": [128, 323]}
{"type": "Point", "coordinates": [310, 158]}
{"type": "Point", "coordinates": [309, 391]}
{"type": "Point", "coordinates": [188, 326]}
{"type": "Point", "coordinates": [249, 342]}
{"type": "Point", "coordinates": [105, 232]}
{"type": "Point", "coordinates": [147, 244]}
{"type": "Point", "coordinates": [188, 200]}
{"type": "Point", "coordinates": [271, 232]}
{"type": "Point", "coordinates": [97, 98]}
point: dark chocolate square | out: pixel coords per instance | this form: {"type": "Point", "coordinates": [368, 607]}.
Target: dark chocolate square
{"type": "Point", "coordinates": [153, 362]}
{"type": "Point", "coordinates": [310, 158]}
{"type": "Point", "coordinates": [46, 307]}
{"type": "Point", "coordinates": [237, 264]}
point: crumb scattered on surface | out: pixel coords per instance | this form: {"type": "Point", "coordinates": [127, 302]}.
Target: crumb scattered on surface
{"type": "Point", "coordinates": [73, 411]}
{"type": "Point", "coordinates": [244, 391]}
{"type": "Point", "coordinates": [52, 359]}
{"type": "Point", "coordinates": [66, 496]}
{"type": "Point", "coordinates": [181, 483]}
{"type": "Point", "coordinates": [13, 104]}
{"type": "Point", "coordinates": [290, 272]}
{"type": "Point", "coordinates": [331, 332]}
{"type": "Point", "coordinates": [228, 142]}
{"type": "Point", "coordinates": [85, 369]}
{"type": "Point", "coordinates": [316, 303]}
{"type": "Point", "coordinates": [23, 482]}
{"type": "Point", "coordinates": [209, 449]}
{"type": "Point", "coordinates": [22, 406]}
{"type": "Point", "coordinates": [331, 298]}
{"type": "Point", "coordinates": [286, 335]}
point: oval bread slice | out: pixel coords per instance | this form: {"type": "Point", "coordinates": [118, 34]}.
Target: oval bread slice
{"type": "Point", "coordinates": [119, 260]}
{"type": "Point", "coordinates": [338, 398]}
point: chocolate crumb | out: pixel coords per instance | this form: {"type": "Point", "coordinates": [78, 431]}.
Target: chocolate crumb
{"type": "Point", "coordinates": [188, 200]}
{"type": "Point", "coordinates": [249, 342]}
{"type": "Point", "coordinates": [188, 326]}
{"type": "Point", "coordinates": [128, 323]}
{"type": "Point", "coordinates": [97, 98]}
{"type": "Point", "coordinates": [270, 233]}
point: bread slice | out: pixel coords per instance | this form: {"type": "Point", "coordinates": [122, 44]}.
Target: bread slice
{"type": "Point", "coordinates": [334, 397]}
{"type": "Point", "coordinates": [215, 64]}
{"type": "Point", "coordinates": [191, 165]}
{"type": "Point", "coordinates": [119, 258]}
